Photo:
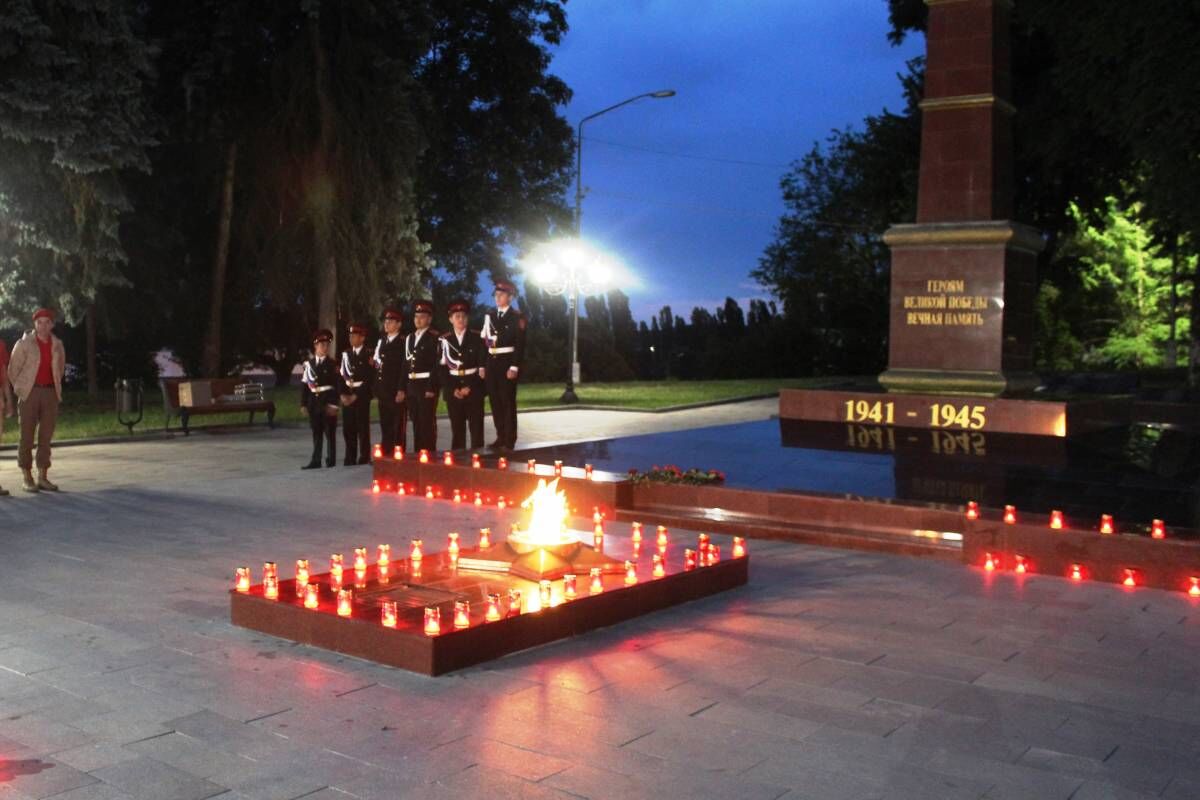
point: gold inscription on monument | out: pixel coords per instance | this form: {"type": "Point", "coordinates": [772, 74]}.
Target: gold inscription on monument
{"type": "Point", "coordinates": [945, 302]}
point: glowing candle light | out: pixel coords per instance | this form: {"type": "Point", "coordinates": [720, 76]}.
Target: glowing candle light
{"type": "Point", "coordinates": [739, 547]}
{"type": "Point", "coordinates": [377, 452]}
{"type": "Point", "coordinates": [500, 503]}
{"type": "Point", "coordinates": [485, 538]}
{"type": "Point", "coordinates": [598, 539]}
{"type": "Point", "coordinates": [661, 539]}
{"type": "Point", "coordinates": [388, 618]}
{"type": "Point", "coordinates": [447, 459]}
{"type": "Point", "coordinates": [1158, 530]}
{"type": "Point", "coordinates": [1194, 590]}
{"type": "Point", "coordinates": [383, 555]}
{"type": "Point", "coordinates": [241, 579]}
{"type": "Point", "coordinates": [335, 571]}
{"type": "Point", "coordinates": [433, 620]}
{"type": "Point", "coordinates": [270, 568]}
{"type": "Point", "coordinates": [375, 487]}
{"type": "Point", "coordinates": [360, 559]}
{"type": "Point", "coordinates": [301, 576]}
{"type": "Point", "coordinates": [452, 544]}
{"type": "Point", "coordinates": [1010, 515]}
{"type": "Point", "coordinates": [689, 560]}
{"type": "Point", "coordinates": [531, 465]}
{"type": "Point", "coordinates": [544, 592]}
{"type": "Point", "coordinates": [1022, 565]}
{"type": "Point", "coordinates": [659, 569]}
{"type": "Point", "coordinates": [457, 496]}
{"type": "Point", "coordinates": [462, 614]}
{"type": "Point", "coordinates": [1130, 579]}
{"type": "Point", "coordinates": [493, 607]}
{"type": "Point", "coordinates": [989, 563]}
{"type": "Point", "coordinates": [1076, 572]}
{"type": "Point", "coordinates": [476, 463]}
{"type": "Point", "coordinates": [514, 602]}
{"type": "Point", "coordinates": [423, 457]}
{"type": "Point", "coordinates": [972, 510]}
{"type": "Point", "coordinates": [598, 528]}
{"type": "Point", "coordinates": [569, 591]}
{"type": "Point", "coordinates": [702, 542]}
{"type": "Point", "coordinates": [587, 471]}
{"type": "Point", "coordinates": [636, 534]}
{"type": "Point", "coordinates": [597, 583]}
{"type": "Point", "coordinates": [428, 492]}
{"type": "Point", "coordinates": [597, 517]}
{"type": "Point", "coordinates": [478, 499]}
{"type": "Point", "coordinates": [558, 468]}
{"type": "Point", "coordinates": [502, 463]}
{"type": "Point", "coordinates": [400, 490]}
{"type": "Point", "coordinates": [344, 605]}
{"type": "Point", "coordinates": [398, 453]}
{"type": "Point", "coordinates": [714, 554]}
{"type": "Point", "coordinates": [312, 596]}
{"type": "Point", "coordinates": [271, 587]}
{"type": "Point", "coordinates": [630, 573]}
{"type": "Point", "coordinates": [1056, 520]}
{"type": "Point", "coordinates": [416, 554]}
{"type": "Point", "coordinates": [382, 572]}
{"type": "Point", "coordinates": [1106, 523]}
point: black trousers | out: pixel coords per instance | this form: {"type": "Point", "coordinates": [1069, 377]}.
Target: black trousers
{"type": "Point", "coordinates": [423, 411]}
{"type": "Point", "coordinates": [503, 393]}
{"type": "Point", "coordinates": [466, 414]}
{"type": "Point", "coordinates": [324, 432]}
{"type": "Point", "coordinates": [392, 419]}
{"type": "Point", "coordinates": [356, 428]}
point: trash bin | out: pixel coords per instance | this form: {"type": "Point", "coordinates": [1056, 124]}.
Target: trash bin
{"type": "Point", "coordinates": [129, 402]}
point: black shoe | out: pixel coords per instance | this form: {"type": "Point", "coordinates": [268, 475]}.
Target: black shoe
{"type": "Point", "coordinates": [312, 465]}
{"type": "Point", "coordinates": [331, 463]}
{"type": "Point", "coordinates": [364, 460]}
{"type": "Point", "coordinates": [349, 463]}
{"type": "Point", "coordinates": [495, 444]}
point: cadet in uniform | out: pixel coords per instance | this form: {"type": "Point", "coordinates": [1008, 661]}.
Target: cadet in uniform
{"type": "Point", "coordinates": [319, 399]}
{"type": "Point", "coordinates": [504, 334]}
{"type": "Point", "coordinates": [463, 355]}
{"type": "Point", "coordinates": [358, 374]}
{"type": "Point", "coordinates": [389, 382]}
{"type": "Point", "coordinates": [423, 353]}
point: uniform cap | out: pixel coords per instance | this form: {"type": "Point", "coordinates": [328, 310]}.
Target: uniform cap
{"type": "Point", "coordinates": [506, 286]}
{"type": "Point", "coordinates": [458, 305]}
{"type": "Point", "coordinates": [322, 335]}
{"type": "Point", "coordinates": [422, 307]}
{"type": "Point", "coordinates": [356, 327]}
{"type": "Point", "coordinates": [393, 313]}
{"type": "Point", "coordinates": [43, 312]}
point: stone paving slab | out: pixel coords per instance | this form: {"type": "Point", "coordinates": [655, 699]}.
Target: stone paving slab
{"type": "Point", "coordinates": [832, 675]}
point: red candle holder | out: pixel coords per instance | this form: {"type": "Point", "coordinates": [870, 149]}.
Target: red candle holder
{"type": "Point", "coordinates": [462, 614]}
{"type": "Point", "coordinates": [360, 559]}
{"type": "Point", "coordinates": [429, 492]}
{"type": "Point", "coordinates": [1130, 578]}
{"type": "Point", "coordinates": [447, 459]}
{"type": "Point", "coordinates": [476, 463]}
{"type": "Point", "coordinates": [345, 606]}
{"type": "Point", "coordinates": [452, 545]}
{"type": "Point", "coordinates": [635, 535]}
{"type": "Point", "coordinates": [1194, 589]}
{"type": "Point", "coordinates": [1106, 523]}
{"type": "Point", "coordinates": [569, 591]}
{"type": "Point", "coordinates": [478, 499]}
{"type": "Point", "coordinates": [375, 487]}
{"type": "Point", "coordinates": [377, 451]}
{"type": "Point", "coordinates": [598, 539]}
{"type": "Point", "coordinates": [1158, 530]}
{"type": "Point", "coordinates": [457, 496]}
{"type": "Point", "coordinates": [989, 563]}
{"type": "Point", "coordinates": [1010, 515]}
{"type": "Point", "coordinates": [270, 569]}
{"type": "Point", "coordinates": [501, 503]}
{"type": "Point", "coordinates": [302, 576]}
{"type": "Point", "coordinates": [416, 554]}
{"type": "Point", "coordinates": [335, 571]}
{"type": "Point", "coordinates": [1021, 564]}
{"type": "Point", "coordinates": [400, 490]}
{"type": "Point", "coordinates": [545, 592]}
{"type": "Point", "coordinates": [972, 510]}
{"type": "Point", "coordinates": [630, 573]}
{"type": "Point", "coordinates": [659, 570]}
{"type": "Point", "coordinates": [689, 559]}
{"type": "Point", "coordinates": [1056, 520]}
{"type": "Point", "coordinates": [493, 607]}
{"type": "Point", "coordinates": [433, 621]}
{"type": "Point", "coordinates": [714, 554]}
{"type": "Point", "coordinates": [596, 582]}
{"type": "Point", "coordinates": [531, 465]}
{"type": "Point", "coordinates": [423, 456]}
{"type": "Point", "coordinates": [397, 453]}
{"type": "Point", "coordinates": [1076, 572]}
{"type": "Point", "coordinates": [661, 539]}
{"type": "Point", "coordinates": [502, 463]}
{"type": "Point", "coordinates": [587, 471]}
{"type": "Point", "coordinates": [388, 618]}
{"type": "Point", "coordinates": [739, 547]}
{"type": "Point", "coordinates": [382, 573]}
{"type": "Point", "coordinates": [514, 602]}
{"type": "Point", "coordinates": [558, 468]}
{"type": "Point", "coordinates": [702, 543]}
{"type": "Point", "coordinates": [597, 517]}
{"type": "Point", "coordinates": [271, 587]}
{"type": "Point", "coordinates": [485, 538]}
{"type": "Point", "coordinates": [383, 555]}
{"type": "Point", "coordinates": [312, 596]}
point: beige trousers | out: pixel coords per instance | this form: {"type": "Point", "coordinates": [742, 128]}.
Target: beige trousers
{"type": "Point", "coordinates": [38, 413]}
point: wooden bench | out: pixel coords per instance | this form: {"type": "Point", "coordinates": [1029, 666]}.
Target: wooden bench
{"type": "Point", "coordinates": [221, 391]}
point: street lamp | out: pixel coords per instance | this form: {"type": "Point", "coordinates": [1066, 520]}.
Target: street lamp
{"type": "Point", "coordinates": [569, 395]}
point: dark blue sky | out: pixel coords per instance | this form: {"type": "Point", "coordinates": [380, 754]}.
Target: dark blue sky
{"type": "Point", "coordinates": [758, 82]}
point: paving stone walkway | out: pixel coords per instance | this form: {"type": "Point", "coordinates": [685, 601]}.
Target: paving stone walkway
{"type": "Point", "coordinates": [832, 675]}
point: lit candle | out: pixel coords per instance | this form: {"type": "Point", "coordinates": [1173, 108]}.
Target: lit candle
{"type": "Point", "coordinates": [270, 568]}
{"type": "Point", "coordinates": [1106, 523]}
{"type": "Point", "coordinates": [597, 517]}
{"type": "Point", "coordinates": [659, 570]}
{"type": "Point", "coordinates": [452, 544]}
{"type": "Point", "coordinates": [598, 539]}
{"type": "Point", "coordinates": [478, 499]}
{"type": "Point", "coordinates": [344, 606]}
{"type": "Point", "coordinates": [587, 471]}
{"type": "Point", "coordinates": [531, 465]}
{"type": "Point", "coordinates": [598, 528]}
{"type": "Point", "coordinates": [558, 468]}
{"type": "Point", "coordinates": [514, 602]}
{"type": "Point", "coordinates": [739, 547]}
{"type": "Point", "coordinates": [597, 583]}
{"type": "Point", "coordinates": [1056, 520]}
{"type": "Point", "coordinates": [637, 531]}
{"type": "Point", "coordinates": [433, 620]}
{"type": "Point", "coordinates": [400, 490]}
{"type": "Point", "coordinates": [702, 542]}
{"type": "Point", "coordinates": [1010, 515]}
{"type": "Point", "coordinates": [448, 458]}
{"type": "Point", "coordinates": [569, 586]}
{"type": "Point", "coordinates": [493, 607]}
{"type": "Point", "coordinates": [312, 596]}
{"type": "Point", "coordinates": [241, 579]}
{"type": "Point", "coordinates": [301, 576]}
{"type": "Point", "coordinates": [428, 492]}
{"type": "Point", "coordinates": [475, 462]}
{"type": "Point", "coordinates": [462, 614]}
{"type": "Point", "coordinates": [423, 456]}
{"type": "Point", "coordinates": [398, 453]}
{"type": "Point", "coordinates": [689, 559]}
{"type": "Point", "coordinates": [1158, 529]}
{"type": "Point", "coordinates": [1130, 578]}
{"type": "Point", "coordinates": [360, 559]}
{"type": "Point", "coordinates": [383, 555]}
{"type": "Point", "coordinates": [388, 619]}
{"type": "Point", "coordinates": [500, 502]}
{"type": "Point", "coordinates": [714, 554]}
{"type": "Point", "coordinates": [502, 463]}
{"type": "Point", "coordinates": [414, 569]}
{"type": "Point", "coordinates": [972, 510]}
{"type": "Point", "coordinates": [457, 496]}
{"type": "Point", "coordinates": [989, 563]}
{"type": "Point", "coordinates": [661, 539]}
{"type": "Point", "coordinates": [485, 538]}
{"type": "Point", "coordinates": [271, 587]}
{"type": "Point", "coordinates": [415, 554]}
{"type": "Point", "coordinates": [1194, 590]}
{"type": "Point", "coordinates": [630, 573]}
{"type": "Point", "coordinates": [1022, 566]}
{"type": "Point", "coordinates": [375, 487]}
{"type": "Point", "coordinates": [335, 571]}
{"type": "Point", "coordinates": [1076, 572]}
{"type": "Point", "coordinates": [382, 572]}
{"type": "Point", "coordinates": [377, 452]}
{"type": "Point", "coordinates": [544, 592]}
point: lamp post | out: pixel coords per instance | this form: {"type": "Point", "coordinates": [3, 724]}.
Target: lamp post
{"type": "Point", "coordinates": [569, 396]}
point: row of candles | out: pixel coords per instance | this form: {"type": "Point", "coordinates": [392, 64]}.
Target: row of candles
{"type": "Point", "coordinates": [704, 555]}
{"type": "Point", "coordinates": [1130, 576]}
{"type": "Point", "coordinates": [1057, 522]}
{"type": "Point", "coordinates": [424, 457]}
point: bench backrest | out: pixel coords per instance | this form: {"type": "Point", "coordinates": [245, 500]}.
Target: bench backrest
{"type": "Point", "coordinates": [220, 387]}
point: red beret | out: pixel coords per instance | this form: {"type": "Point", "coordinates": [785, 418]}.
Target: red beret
{"type": "Point", "coordinates": [322, 335]}
{"type": "Point", "coordinates": [355, 327]}
{"type": "Point", "coordinates": [458, 305]}
{"type": "Point", "coordinates": [393, 313]}
{"type": "Point", "coordinates": [506, 286]}
{"type": "Point", "coordinates": [43, 312]}
{"type": "Point", "coordinates": [422, 307]}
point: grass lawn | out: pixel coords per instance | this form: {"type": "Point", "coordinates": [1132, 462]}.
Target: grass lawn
{"type": "Point", "coordinates": [82, 419]}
